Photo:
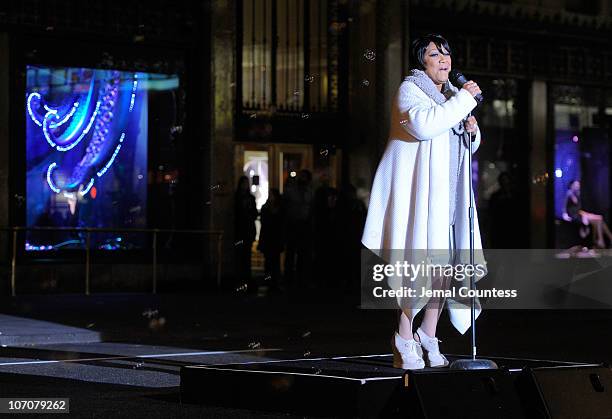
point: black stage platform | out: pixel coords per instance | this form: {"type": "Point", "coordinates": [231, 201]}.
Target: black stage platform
{"type": "Point", "coordinates": [354, 386]}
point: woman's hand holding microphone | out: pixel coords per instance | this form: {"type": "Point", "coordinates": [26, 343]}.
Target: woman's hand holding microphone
{"type": "Point", "coordinates": [472, 87]}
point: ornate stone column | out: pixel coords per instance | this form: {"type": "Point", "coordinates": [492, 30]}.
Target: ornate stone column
{"type": "Point", "coordinates": [223, 93]}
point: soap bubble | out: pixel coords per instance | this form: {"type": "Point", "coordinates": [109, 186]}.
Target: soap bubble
{"type": "Point", "coordinates": [369, 55]}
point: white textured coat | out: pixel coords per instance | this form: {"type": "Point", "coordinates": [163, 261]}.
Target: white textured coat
{"type": "Point", "coordinates": [409, 201]}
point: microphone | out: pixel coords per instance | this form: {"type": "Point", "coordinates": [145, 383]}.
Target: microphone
{"type": "Point", "coordinates": [459, 80]}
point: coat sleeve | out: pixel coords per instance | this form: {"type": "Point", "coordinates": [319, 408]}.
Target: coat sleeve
{"type": "Point", "coordinates": [424, 121]}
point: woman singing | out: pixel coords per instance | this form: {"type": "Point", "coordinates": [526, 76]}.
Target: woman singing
{"type": "Point", "coordinates": [420, 195]}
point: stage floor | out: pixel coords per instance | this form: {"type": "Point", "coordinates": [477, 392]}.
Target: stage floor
{"type": "Point", "coordinates": [137, 365]}
{"type": "Point", "coordinates": [363, 367]}
{"type": "Point", "coordinates": [362, 385]}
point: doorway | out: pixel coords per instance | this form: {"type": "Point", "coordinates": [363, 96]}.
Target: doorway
{"type": "Point", "coordinates": [272, 165]}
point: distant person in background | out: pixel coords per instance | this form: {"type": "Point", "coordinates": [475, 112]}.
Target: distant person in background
{"type": "Point", "coordinates": [46, 219]}
{"type": "Point", "coordinates": [245, 214]}
{"type": "Point", "coordinates": [355, 212]}
{"type": "Point", "coordinates": [74, 218]}
{"type": "Point", "coordinates": [503, 207]}
{"type": "Point", "coordinates": [573, 212]}
{"type": "Point", "coordinates": [329, 237]}
{"type": "Point", "coordinates": [271, 238]}
{"type": "Point", "coordinates": [298, 198]}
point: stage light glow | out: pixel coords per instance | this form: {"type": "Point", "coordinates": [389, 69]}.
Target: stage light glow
{"type": "Point", "coordinates": [112, 159]}
{"type": "Point", "coordinates": [89, 186]}
{"type": "Point", "coordinates": [83, 134]}
{"type": "Point", "coordinates": [64, 243]}
{"type": "Point", "coordinates": [66, 136]}
{"type": "Point", "coordinates": [50, 169]}
{"type": "Point", "coordinates": [45, 131]}
{"type": "Point", "coordinates": [559, 173]}
{"type": "Point", "coordinates": [50, 110]}
{"type": "Point", "coordinates": [29, 106]}
{"type": "Point", "coordinates": [29, 246]}
{"type": "Point", "coordinates": [66, 117]}
{"type": "Point", "coordinates": [575, 138]}
{"type": "Point", "coordinates": [134, 86]}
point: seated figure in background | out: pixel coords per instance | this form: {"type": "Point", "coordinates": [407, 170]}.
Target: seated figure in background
{"type": "Point", "coordinates": [574, 213]}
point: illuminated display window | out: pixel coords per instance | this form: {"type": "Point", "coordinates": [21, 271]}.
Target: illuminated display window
{"type": "Point", "coordinates": [87, 133]}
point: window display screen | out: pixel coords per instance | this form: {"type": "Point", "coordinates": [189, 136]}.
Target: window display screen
{"type": "Point", "coordinates": [87, 136]}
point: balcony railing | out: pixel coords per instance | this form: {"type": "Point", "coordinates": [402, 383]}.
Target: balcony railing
{"type": "Point", "coordinates": [218, 235]}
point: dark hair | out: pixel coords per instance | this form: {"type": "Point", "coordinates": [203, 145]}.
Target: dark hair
{"type": "Point", "coordinates": [242, 179]}
{"type": "Point", "coordinates": [420, 44]}
{"type": "Point", "coordinates": [503, 175]}
{"type": "Point", "coordinates": [571, 182]}
{"type": "Point", "coordinates": [275, 193]}
{"type": "Point", "coordinates": [306, 174]}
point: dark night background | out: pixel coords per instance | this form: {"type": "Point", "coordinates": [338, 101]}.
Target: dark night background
{"type": "Point", "coordinates": [295, 95]}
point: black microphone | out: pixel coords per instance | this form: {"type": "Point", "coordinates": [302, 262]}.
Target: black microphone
{"type": "Point", "coordinates": [459, 80]}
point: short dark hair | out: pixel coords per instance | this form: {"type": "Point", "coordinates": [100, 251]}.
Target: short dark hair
{"type": "Point", "coordinates": [420, 44]}
{"type": "Point", "coordinates": [571, 182]}
{"type": "Point", "coordinates": [503, 175]}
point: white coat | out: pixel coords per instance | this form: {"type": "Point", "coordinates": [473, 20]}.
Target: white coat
{"type": "Point", "coordinates": [409, 200]}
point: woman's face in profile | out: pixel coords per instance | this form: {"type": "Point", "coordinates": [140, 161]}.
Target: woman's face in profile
{"type": "Point", "coordinates": [437, 65]}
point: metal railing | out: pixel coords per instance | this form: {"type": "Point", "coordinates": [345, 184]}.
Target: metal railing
{"type": "Point", "coordinates": [89, 230]}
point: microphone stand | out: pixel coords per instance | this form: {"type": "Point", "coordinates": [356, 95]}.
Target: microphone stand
{"type": "Point", "coordinates": [472, 363]}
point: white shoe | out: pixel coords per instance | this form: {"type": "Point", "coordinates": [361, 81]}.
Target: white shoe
{"type": "Point", "coordinates": [430, 345]}
{"type": "Point", "coordinates": [407, 354]}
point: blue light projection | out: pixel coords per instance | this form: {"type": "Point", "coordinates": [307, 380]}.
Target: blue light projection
{"type": "Point", "coordinates": [86, 152]}
{"type": "Point", "coordinates": [567, 166]}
